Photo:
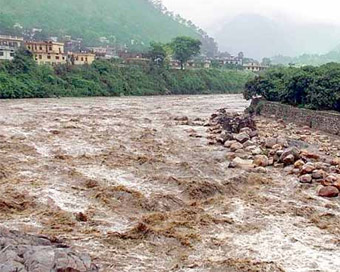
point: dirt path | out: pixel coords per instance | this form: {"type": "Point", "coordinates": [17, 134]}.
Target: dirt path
{"type": "Point", "coordinates": [134, 183]}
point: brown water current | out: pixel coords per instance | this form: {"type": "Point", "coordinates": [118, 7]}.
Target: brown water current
{"type": "Point", "coordinates": [133, 183]}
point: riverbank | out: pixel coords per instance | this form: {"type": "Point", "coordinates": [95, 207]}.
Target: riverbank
{"type": "Point", "coordinates": [23, 78]}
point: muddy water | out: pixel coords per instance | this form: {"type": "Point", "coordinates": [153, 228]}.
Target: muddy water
{"type": "Point", "coordinates": [155, 195]}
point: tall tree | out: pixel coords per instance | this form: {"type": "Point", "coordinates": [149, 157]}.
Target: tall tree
{"type": "Point", "coordinates": [184, 48]}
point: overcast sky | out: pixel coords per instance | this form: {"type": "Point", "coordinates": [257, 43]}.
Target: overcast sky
{"type": "Point", "coordinates": [205, 12]}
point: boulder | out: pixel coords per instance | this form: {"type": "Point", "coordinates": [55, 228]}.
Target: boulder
{"type": "Point", "coordinates": [295, 152]}
{"type": "Point", "coordinates": [309, 155]}
{"type": "Point", "coordinates": [229, 143]}
{"type": "Point", "coordinates": [288, 160]}
{"type": "Point", "coordinates": [253, 134]}
{"type": "Point", "coordinates": [335, 162]}
{"type": "Point", "coordinates": [307, 169]}
{"type": "Point", "coordinates": [337, 184]}
{"type": "Point", "coordinates": [328, 191]}
{"type": "Point", "coordinates": [270, 142]}
{"type": "Point", "coordinates": [241, 163]}
{"type": "Point", "coordinates": [318, 174]}
{"type": "Point", "coordinates": [261, 161]}
{"type": "Point", "coordinates": [236, 146]}
{"type": "Point", "coordinates": [241, 137]}
{"type": "Point", "coordinates": [257, 151]}
{"type": "Point", "coordinates": [306, 178]}
{"type": "Point", "coordinates": [299, 164]}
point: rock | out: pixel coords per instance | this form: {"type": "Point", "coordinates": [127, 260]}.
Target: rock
{"type": "Point", "coordinates": [81, 217]}
{"type": "Point", "coordinates": [335, 162]}
{"type": "Point", "coordinates": [282, 142]}
{"type": "Point", "coordinates": [261, 170]}
{"type": "Point", "coordinates": [224, 136]}
{"type": "Point", "coordinates": [299, 164]}
{"type": "Point", "coordinates": [270, 142]}
{"type": "Point", "coordinates": [271, 161]}
{"type": "Point", "coordinates": [318, 174]}
{"type": "Point", "coordinates": [229, 143]}
{"type": "Point", "coordinates": [290, 151]}
{"type": "Point", "coordinates": [230, 156]}
{"type": "Point", "coordinates": [245, 130]}
{"type": "Point", "coordinates": [277, 147]}
{"type": "Point", "coordinates": [279, 165]}
{"type": "Point", "coordinates": [306, 178]}
{"type": "Point", "coordinates": [22, 252]}
{"type": "Point", "coordinates": [309, 155]}
{"type": "Point", "coordinates": [261, 160]}
{"type": "Point", "coordinates": [328, 191]}
{"type": "Point", "coordinates": [337, 184]}
{"type": "Point", "coordinates": [242, 137]}
{"type": "Point", "coordinates": [253, 134]}
{"type": "Point", "coordinates": [307, 169]}
{"type": "Point", "coordinates": [249, 143]}
{"type": "Point", "coordinates": [257, 151]}
{"type": "Point", "coordinates": [288, 160]}
{"type": "Point", "coordinates": [241, 163]}
{"type": "Point", "coordinates": [236, 146]}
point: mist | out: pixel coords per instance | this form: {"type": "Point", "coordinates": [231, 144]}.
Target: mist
{"type": "Point", "coordinates": [266, 28]}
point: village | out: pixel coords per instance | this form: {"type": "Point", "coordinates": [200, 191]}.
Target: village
{"type": "Point", "coordinates": [72, 52]}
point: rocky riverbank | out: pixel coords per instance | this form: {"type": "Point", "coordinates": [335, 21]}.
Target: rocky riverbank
{"type": "Point", "coordinates": [300, 152]}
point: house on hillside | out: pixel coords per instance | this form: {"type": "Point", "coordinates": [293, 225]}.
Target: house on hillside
{"type": "Point", "coordinates": [255, 67]}
{"type": "Point", "coordinates": [47, 52]}
{"type": "Point", "coordinates": [8, 46]}
{"type": "Point", "coordinates": [80, 58]}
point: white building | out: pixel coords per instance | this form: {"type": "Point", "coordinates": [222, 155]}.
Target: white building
{"type": "Point", "coordinates": [8, 46]}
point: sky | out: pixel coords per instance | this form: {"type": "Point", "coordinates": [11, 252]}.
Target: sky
{"type": "Point", "coordinates": [205, 13]}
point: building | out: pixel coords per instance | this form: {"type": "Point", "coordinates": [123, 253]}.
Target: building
{"type": "Point", "coordinates": [47, 52]}
{"type": "Point", "coordinates": [80, 58]}
{"type": "Point", "coordinates": [104, 52]}
{"type": "Point", "coordinates": [8, 46]}
{"type": "Point", "coordinates": [254, 67]}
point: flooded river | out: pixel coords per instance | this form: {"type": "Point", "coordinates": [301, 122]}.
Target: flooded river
{"type": "Point", "coordinates": [133, 182]}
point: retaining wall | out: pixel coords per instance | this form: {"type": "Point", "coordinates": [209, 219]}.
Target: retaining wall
{"type": "Point", "coordinates": [327, 121]}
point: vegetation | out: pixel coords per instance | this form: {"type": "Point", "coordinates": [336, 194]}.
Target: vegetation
{"type": "Point", "coordinates": [23, 78]}
{"type": "Point", "coordinates": [310, 87]}
{"type": "Point", "coordinates": [184, 48]}
{"type": "Point", "coordinates": [309, 59]}
{"type": "Point", "coordinates": [134, 23]}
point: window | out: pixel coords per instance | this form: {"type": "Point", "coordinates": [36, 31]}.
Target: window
{"type": "Point", "coordinates": [11, 54]}
{"type": "Point", "coordinates": [50, 48]}
{"type": "Point", "coordinates": [40, 56]}
{"type": "Point", "coordinates": [86, 59]}
{"type": "Point", "coordinates": [82, 59]}
{"type": "Point", "coordinates": [40, 47]}
{"type": "Point", "coordinates": [48, 57]}
{"type": "Point", "coordinates": [57, 57]}
{"type": "Point", "coordinates": [1, 54]}
{"type": "Point", "coordinates": [28, 47]}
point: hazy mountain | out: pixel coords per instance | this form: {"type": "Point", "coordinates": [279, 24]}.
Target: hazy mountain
{"type": "Point", "coordinates": [259, 36]}
{"type": "Point", "coordinates": [133, 22]}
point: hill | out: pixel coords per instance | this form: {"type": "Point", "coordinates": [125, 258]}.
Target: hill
{"type": "Point", "coordinates": [127, 22]}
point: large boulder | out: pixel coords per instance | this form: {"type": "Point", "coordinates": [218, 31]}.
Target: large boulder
{"type": "Point", "coordinates": [241, 137]}
{"type": "Point", "coordinates": [328, 191]}
{"type": "Point", "coordinates": [241, 163]}
{"type": "Point", "coordinates": [261, 160]}
{"type": "Point", "coordinates": [295, 152]}
{"type": "Point", "coordinates": [22, 252]}
{"type": "Point", "coordinates": [236, 146]}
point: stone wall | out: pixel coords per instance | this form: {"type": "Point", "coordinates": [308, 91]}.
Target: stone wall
{"type": "Point", "coordinates": [322, 120]}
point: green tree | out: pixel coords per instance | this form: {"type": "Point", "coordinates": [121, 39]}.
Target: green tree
{"type": "Point", "coordinates": [157, 53]}
{"type": "Point", "coordinates": [184, 48]}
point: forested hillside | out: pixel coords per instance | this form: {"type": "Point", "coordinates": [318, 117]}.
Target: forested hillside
{"type": "Point", "coordinates": [132, 22]}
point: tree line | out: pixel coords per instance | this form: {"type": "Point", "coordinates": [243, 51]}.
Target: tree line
{"type": "Point", "coordinates": [310, 87]}
{"type": "Point", "coordinates": [23, 78]}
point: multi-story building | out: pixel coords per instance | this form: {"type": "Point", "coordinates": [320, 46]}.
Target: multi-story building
{"type": "Point", "coordinates": [80, 58]}
{"type": "Point", "coordinates": [47, 52]}
{"type": "Point", "coordinates": [8, 46]}
{"type": "Point", "coordinates": [255, 67]}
